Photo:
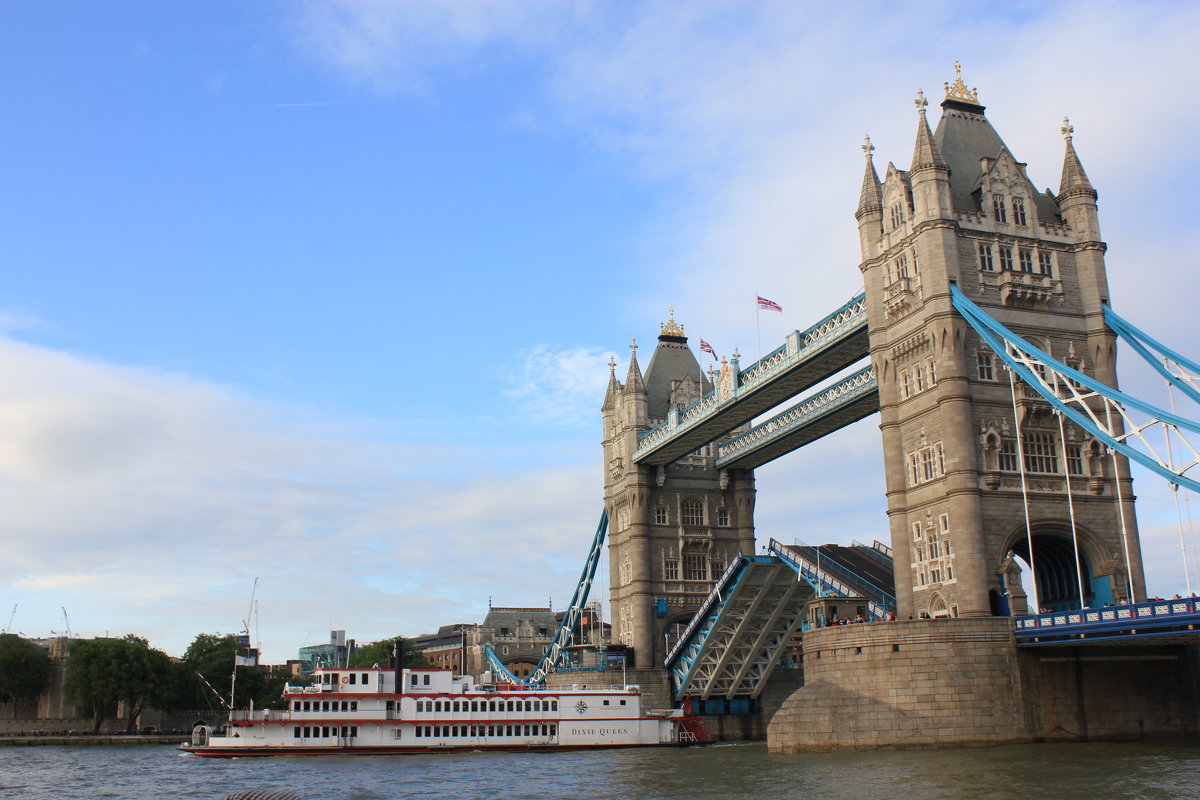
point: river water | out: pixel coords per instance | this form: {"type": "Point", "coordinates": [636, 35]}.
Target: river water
{"type": "Point", "coordinates": [1060, 771]}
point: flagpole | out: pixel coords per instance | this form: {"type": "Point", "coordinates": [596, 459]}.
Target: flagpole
{"type": "Point", "coordinates": [757, 330]}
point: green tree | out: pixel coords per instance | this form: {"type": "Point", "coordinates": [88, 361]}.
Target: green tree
{"type": "Point", "coordinates": [386, 651]}
{"type": "Point", "coordinates": [212, 656]}
{"type": "Point", "coordinates": [101, 674]}
{"type": "Point", "coordinates": [25, 670]}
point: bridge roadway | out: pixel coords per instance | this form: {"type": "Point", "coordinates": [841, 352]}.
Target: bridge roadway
{"type": "Point", "coordinates": [805, 359]}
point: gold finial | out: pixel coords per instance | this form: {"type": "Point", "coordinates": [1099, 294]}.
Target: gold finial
{"type": "Point", "coordinates": [867, 147]}
{"type": "Point", "coordinates": [921, 103]}
{"type": "Point", "coordinates": [671, 327]}
{"type": "Point", "coordinates": [959, 90]}
{"type": "Point", "coordinates": [1067, 129]}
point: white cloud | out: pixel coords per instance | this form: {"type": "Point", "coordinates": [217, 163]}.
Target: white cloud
{"type": "Point", "coordinates": [150, 502]}
{"type": "Point", "coordinates": [559, 387]}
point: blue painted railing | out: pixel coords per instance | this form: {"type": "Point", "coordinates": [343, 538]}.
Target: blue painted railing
{"type": "Point", "coordinates": [1180, 615]}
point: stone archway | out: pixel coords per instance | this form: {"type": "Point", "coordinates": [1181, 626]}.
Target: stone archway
{"type": "Point", "coordinates": [1055, 567]}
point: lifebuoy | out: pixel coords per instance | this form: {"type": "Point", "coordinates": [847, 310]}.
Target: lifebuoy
{"type": "Point", "coordinates": [345, 679]}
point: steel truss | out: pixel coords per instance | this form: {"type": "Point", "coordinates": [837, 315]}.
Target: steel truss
{"type": "Point", "coordinates": [1100, 410]}
{"type": "Point", "coordinates": [735, 642]}
{"type": "Point", "coordinates": [566, 631]}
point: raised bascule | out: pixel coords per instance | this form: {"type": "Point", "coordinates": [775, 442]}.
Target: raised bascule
{"type": "Point", "coordinates": [990, 346]}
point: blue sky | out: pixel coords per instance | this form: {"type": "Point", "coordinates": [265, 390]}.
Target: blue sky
{"type": "Point", "coordinates": [324, 293]}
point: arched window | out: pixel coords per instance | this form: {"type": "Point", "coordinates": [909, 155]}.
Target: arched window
{"type": "Point", "coordinates": [692, 512]}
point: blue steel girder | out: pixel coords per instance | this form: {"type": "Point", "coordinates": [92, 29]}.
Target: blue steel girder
{"type": "Point", "coordinates": [737, 645]}
{"type": "Point", "coordinates": [807, 357]}
{"type": "Point", "coordinates": [832, 409]}
{"type": "Point", "coordinates": [1098, 409]}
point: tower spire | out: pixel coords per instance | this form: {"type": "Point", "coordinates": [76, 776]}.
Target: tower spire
{"type": "Point", "coordinates": [925, 153]}
{"type": "Point", "coordinates": [1074, 179]}
{"type": "Point", "coordinates": [871, 197]}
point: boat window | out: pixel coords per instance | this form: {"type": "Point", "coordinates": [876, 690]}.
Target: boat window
{"type": "Point", "coordinates": [354, 731]}
{"type": "Point", "coordinates": [419, 733]}
{"type": "Point", "coordinates": [295, 705]}
{"type": "Point", "coordinates": [325, 731]}
{"type": "Point", "coordinates": [622, 702]}
{"type": "Point", "coordinates": [325, 706]}
{"type": "Point", "coordinates": [295, 733]}
{"type": "Point", "coordinates": [605, 702]}
{"type": "Point", "coordinates": [354, 705]}
{"type": "Point", "coordinates": [529, 705]}
{"type": "Point", "coordinates": [553, 730]}
{"type": "Point", "coordinates": [413, 678]}
{"type": "Point", "coordinates": [554, 705]}
{"type": "Point", "coordinates": [492, 705]}
{"type": "Point", "coordinates": [426, 680]}
{"type": "Point", "coordinates": [352, 677]}
{"type": "Point", "coordinates": [456, 706]}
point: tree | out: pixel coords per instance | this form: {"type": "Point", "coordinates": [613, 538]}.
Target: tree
{"type": "Point", "coordinates": [103, 673]}
{"type": "Point", "coordinates": [212, 655]}
{"type": "Point", "coordinates": [385, 653]}
{"type": "Point", "coordinates": [25, 670]}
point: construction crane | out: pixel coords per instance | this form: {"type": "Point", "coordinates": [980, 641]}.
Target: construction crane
{"type": "Point", "coordinates": [67, 621]}
{"type": "Point", "coordinates": [8, 627]}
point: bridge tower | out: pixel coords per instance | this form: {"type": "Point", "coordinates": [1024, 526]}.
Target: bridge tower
{"type": "Point", "coordinates": [673, 528]}
{"type": "Point", "coordinates": [965, 452]}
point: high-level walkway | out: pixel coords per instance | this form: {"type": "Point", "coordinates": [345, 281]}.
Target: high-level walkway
{"type": "Point", "coordinates": [805, 359]}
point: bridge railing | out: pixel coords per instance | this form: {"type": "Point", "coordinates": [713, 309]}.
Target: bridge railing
{"type": "Point", "coordinates": [809, 570]}
{"type": "Point", "coordinates": [1109, 619]}
{"type": "Point", "coordinates": [878, 552]}
{"type": "Point", "coordinates": [857, 582]}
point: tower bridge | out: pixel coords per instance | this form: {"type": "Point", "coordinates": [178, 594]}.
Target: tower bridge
{"type": "Point", "coordinates": [990, 342]}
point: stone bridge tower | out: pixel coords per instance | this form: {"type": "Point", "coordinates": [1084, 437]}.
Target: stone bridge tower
{"type": "Point", "coordinates": [961, 465]}
{"type": "Point", "coordinates": [672, 529]}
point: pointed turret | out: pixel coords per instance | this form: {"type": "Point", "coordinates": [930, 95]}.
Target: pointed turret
{"type": "Point", "coordinates": [1074, 179]}
{"type": "Point", "coordinates": [614, 387]}
{"type": "Point", "coordinates": [926, 154]}
{"type": "Point", "coordinates": [870, 199]}
{"type": "Point", "coordinates": [633, 379]}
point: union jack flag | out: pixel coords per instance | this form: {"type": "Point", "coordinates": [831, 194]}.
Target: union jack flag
{"type": "Point", "coordinates": [769, 305]}
{"type": "Point", "coordinates": [705, 347]}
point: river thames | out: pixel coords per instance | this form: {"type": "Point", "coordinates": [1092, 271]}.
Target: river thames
{"type": "Point", "coordinates": [1059, 771]}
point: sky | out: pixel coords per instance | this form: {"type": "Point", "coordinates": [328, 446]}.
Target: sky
{"type": "Point", "coordinates": [323, 294]}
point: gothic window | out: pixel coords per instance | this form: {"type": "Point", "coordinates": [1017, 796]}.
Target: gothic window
{"type": "Point", "coordinates": [932, 373]}
{"type": "Point", "coordinates": [1074, 459]}
{"type": "Point", "coordinates": [985, 258]}
{"type": "Point", "coordinates": [901, 267]}
{"type": "Point", "coordinates": [671, 570]}
{"type": "Point", "coordinates": [692, 512]}
{"type": "Point", "coordinates": [897, 213]}
{"type": "Point", "coordinates": [944, 527]}
{"type": "Point", "coordinates": [1041, 453]}
{"type": "Point", "coordinates": [622, 518]}
{"type": "Point", "coordinates": [660, 515]}
{"type": "Point", "coordinates": [1006, 259]}
{"type": "Point", "coordinates": [1018, 206]}
{"type": "Point", "coordinates": [626, 573]}
{"type": "Point", "coordinates": [1046, 263]}
{"type": "Point", "coordinates": [998, 208]}
{"type": "Point", "coordinates": [916, 529]}
{"type": "Point", "coordinates": [1026, 258]}
{"type": "Point", "coordinates": [1008, 456]}
{"type": "Point", "coordinates": [916, 268]}
{"type": "Point", "coordinates": [717, 567]}
{"type": "Point", "coordinates": [906, 379]}
{"type": "Point", "coordinates": [920, 381]}
{"type": "Point", "coordinates": [927, 463]}
{"type": "Point", "coordinates": [985, 362]}
{"type": "Point", "coordinates": [935, 551]}
{"type": "Point", "coordinates": [695, 567]}
{"type": "Point", "coordinates": [723, 517]}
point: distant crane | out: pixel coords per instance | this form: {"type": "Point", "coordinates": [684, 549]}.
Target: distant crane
{"type": "Point", "coordinates": [67, 621]}
{"type": "Point", "coordinates": [8, 627]}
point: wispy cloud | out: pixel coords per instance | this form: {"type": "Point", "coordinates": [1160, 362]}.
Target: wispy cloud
{"type": "Point", "coordinates": [559, 387]}
{"type": "Point", "coordinates": [125, 491]}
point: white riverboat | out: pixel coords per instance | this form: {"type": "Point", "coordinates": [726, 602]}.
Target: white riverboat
{"type": "Point", "coordinates": [364, 711]}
